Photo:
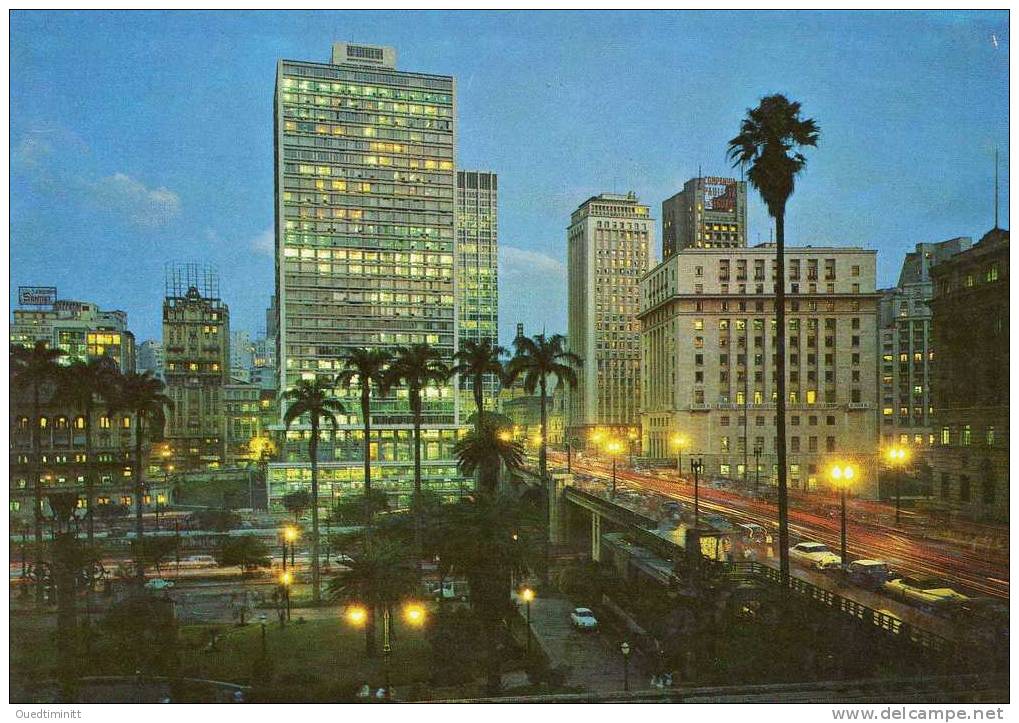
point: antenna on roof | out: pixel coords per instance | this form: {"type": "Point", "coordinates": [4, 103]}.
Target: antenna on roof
{"type": "Point", "coordinates": [995, 187]}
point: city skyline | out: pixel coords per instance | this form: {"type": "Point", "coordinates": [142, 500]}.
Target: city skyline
{"type": "Point", "coordinates": [98, 186]}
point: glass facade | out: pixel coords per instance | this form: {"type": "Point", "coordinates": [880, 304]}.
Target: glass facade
{"type": "Point", "coordinates": [477, 265]}
{"type": "Point", "coordinates": [365, 194]}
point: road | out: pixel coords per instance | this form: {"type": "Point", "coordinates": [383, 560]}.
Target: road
{"type": "Point", "coordinates": [974, 569]}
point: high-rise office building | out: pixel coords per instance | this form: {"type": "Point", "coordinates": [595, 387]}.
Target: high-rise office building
{"type": "Point", "coordinates": [708, 335]}
{"type": "Point", "coordinates": [242, 355]}
{"type": "Point", "coordinates": [150, 358]}
{"type": "Point", "coordinates": [365, 209]}
{"type": "Point", "coordinates": [477, 264]}
{"type": "Point", "coordinates": [78, 328]}
{"type": "Point", "coordinates": [970, 383]}
{"type": "Point", "coordinates": [708, 213]}
{"type": "Point", "coordinates": [196, 349]}
{"type": "Point", "coordinates": [906, 347]}
{"type": "Point", "coordinates": [608, 250]}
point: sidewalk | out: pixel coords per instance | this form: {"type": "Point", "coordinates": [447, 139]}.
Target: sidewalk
{"type": "Point", "coordinates": [594, 660]}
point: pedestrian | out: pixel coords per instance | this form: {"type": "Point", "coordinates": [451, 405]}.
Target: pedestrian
{"type": "Point", "coordinates": [364, 691]}
{"type": "Point", "coordinates": [380, 694]}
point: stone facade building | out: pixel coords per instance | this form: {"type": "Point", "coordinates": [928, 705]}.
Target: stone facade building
{"type": "Point", "coordinates": [707, 345]}
{"type": "Point", "coordinates": [971, 379]}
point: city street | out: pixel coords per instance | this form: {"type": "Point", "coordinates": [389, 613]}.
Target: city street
{"type": "Point", "coordinates": [978, 571]}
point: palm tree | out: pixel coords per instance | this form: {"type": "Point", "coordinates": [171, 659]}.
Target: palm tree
{"type": "Point", "coordinates": [35, 367]}
{"type": "Point", "coordinates": [476, 359]}
{"type": "Point", "coordinates": [536, 360]}
{"type": "Point", "coordinates": [80, 384]}
{"type": "Point", "coordinates": [377, 578]}
{"type": "Point", "coordinates": [312, 398]}
{"type": "Point", "coordinates": [484, 451]}
{"type": "Point", "coordinates": [142, 396]}
{"type": "Point", "coordinates": [367, 369]}
{"type": "Point", "coordinates": [767, 145]}
{"type": "Point", "coordinates": [417, 366]}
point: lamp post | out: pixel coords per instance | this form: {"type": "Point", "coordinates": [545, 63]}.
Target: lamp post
{"type": "Point", "coordinates": [613, 447]}
{"type": "Point", "coordinates": [632, 436]}
{"type": "Point", "coordinates": [841, 476]}
{"type": "Point", "coordinates": [897, 456]}
{"type": "Point", "coordinates": [757, 467]}
{"type": "Point", "coordinates": [290, 535]}
{"type": "Point", "coordinates": [528, 595]}
{"type": "Point", "coordinates": [261, 620]}
{"type": "Point", "coordinates": [679, 441]}
{"type": "Point", "coordinates": [624, 648]}
{"type": "Point", "coordinates": [413, 613]}
{"type": "Point", "coordinates": [285, 581]}
{"type": "Point", "coordinates": [696, 465]}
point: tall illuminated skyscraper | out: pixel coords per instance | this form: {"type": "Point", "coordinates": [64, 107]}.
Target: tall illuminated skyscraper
{"type": "Point", "coordinates": [608, 250]}
{"type": "Point", "coordinates": [365, 255]}
{"type": "Point", "coordinates": [477, 264]}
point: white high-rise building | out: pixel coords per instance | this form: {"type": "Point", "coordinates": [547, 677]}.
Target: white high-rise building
{"type": "Point", "coordinates": [608, 247]}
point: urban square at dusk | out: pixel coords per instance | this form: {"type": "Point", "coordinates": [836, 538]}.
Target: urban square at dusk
{"type": "Point", "coordinates": [375, 357]}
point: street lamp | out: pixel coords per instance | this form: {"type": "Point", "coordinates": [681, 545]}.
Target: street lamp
{"type": "Point", "coordinates": [624, 648]}
{"type": "Point", "coordinates": [286, 579]}
{"type": "Point", "coordinates": [897, 457]}
{"type": "Point", "coordinates": [261, 619]}
{"type": "Point", "coordinates": [527, 594]}
{"type": "Point", "coordinates": [632, 436]}
{"type": "Point", "coordinates": [678, 442]}
{"type": "Point", "coordinates": [613, 447]}
{"type": "Point", "coordinates": [290, 535]}
{"type": "Point", "coordinates": [413, 613]}
{"type": "Point", "coordinates": [697, 466]}
{"type": "Point", "coordinates": [842, 477]}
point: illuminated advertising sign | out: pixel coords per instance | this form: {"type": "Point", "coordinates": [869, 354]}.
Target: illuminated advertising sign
{"type": "Point", "coordinates": [720, 195]}
{"type": "Point", "coordinates": [37, 295]}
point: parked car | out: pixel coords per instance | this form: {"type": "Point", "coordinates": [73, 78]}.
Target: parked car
{"type": "Point", "coordinates": [814, 554]}
{"type": "Point", "coordinates": [925, 591]}
{"type": "Point", "coordinates": [870, 574]}
{"type": "Point", "coordinates": [583, 619]}
{"type": "Point", "coordinates": [158, 583]}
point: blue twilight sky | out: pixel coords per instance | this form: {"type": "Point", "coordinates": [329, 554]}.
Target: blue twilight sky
{"type": "Point", "coordinates": [146, 137]}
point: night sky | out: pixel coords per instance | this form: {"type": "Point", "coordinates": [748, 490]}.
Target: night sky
{"type": "Point", "coordinates": [139, 139]}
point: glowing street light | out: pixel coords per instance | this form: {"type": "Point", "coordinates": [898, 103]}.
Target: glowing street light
{"type": "Point", "coordinates": [357, 615]}
{"type": "Point", "coordinates": [679, 441]}
{"type": "Point", "coordinates": [413, 613]}
{"type": "Point", "coordinates": [897, 457]}
{"type": "Point", "coordinates": [290, 535]}
{"type": "Point", "coordinates": [613, 447]}
{"type": "Point", "coordinates": [505, 436]}
{"type": "Point", "coordinates": [842, 476]}
{"type": "Point", "coordinates": [527, 595]}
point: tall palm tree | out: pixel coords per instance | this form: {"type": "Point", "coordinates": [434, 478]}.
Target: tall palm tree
{"type": "Point", "coordinates": [475, 359]}
{"type": "Point", "coordinates": [81, 384]}
{"type": "Point", "coordinates": [417, 366]}
{"type": "Point", "coordinates": [378, 577]}
{"type": "Point", "coordinates": [367, 369]}
{"type": "Point", "coordinates": [484, 451]}
{"type": "Point", "coordinates": [767, 146]}
{"type": "Point", "coordinates": [314, 400]}
{"type": "Point", "coordinates": [537, 360]}
{"type": "Point", "coordinates": [35, 367]}
{"type": "Point", "coordinates": [141, 395]}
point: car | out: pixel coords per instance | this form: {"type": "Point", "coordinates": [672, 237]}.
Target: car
{"type": "Point", "coordinates": [870, 574]}
{"type": "Point", "coordinates": [814, 554]}
{"type": "Point", "coordinates": [583, 619]}
{"type": "Point", "coordinates": [925, 591]}
{"type": "Point", "coordinates": [158, 583]}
